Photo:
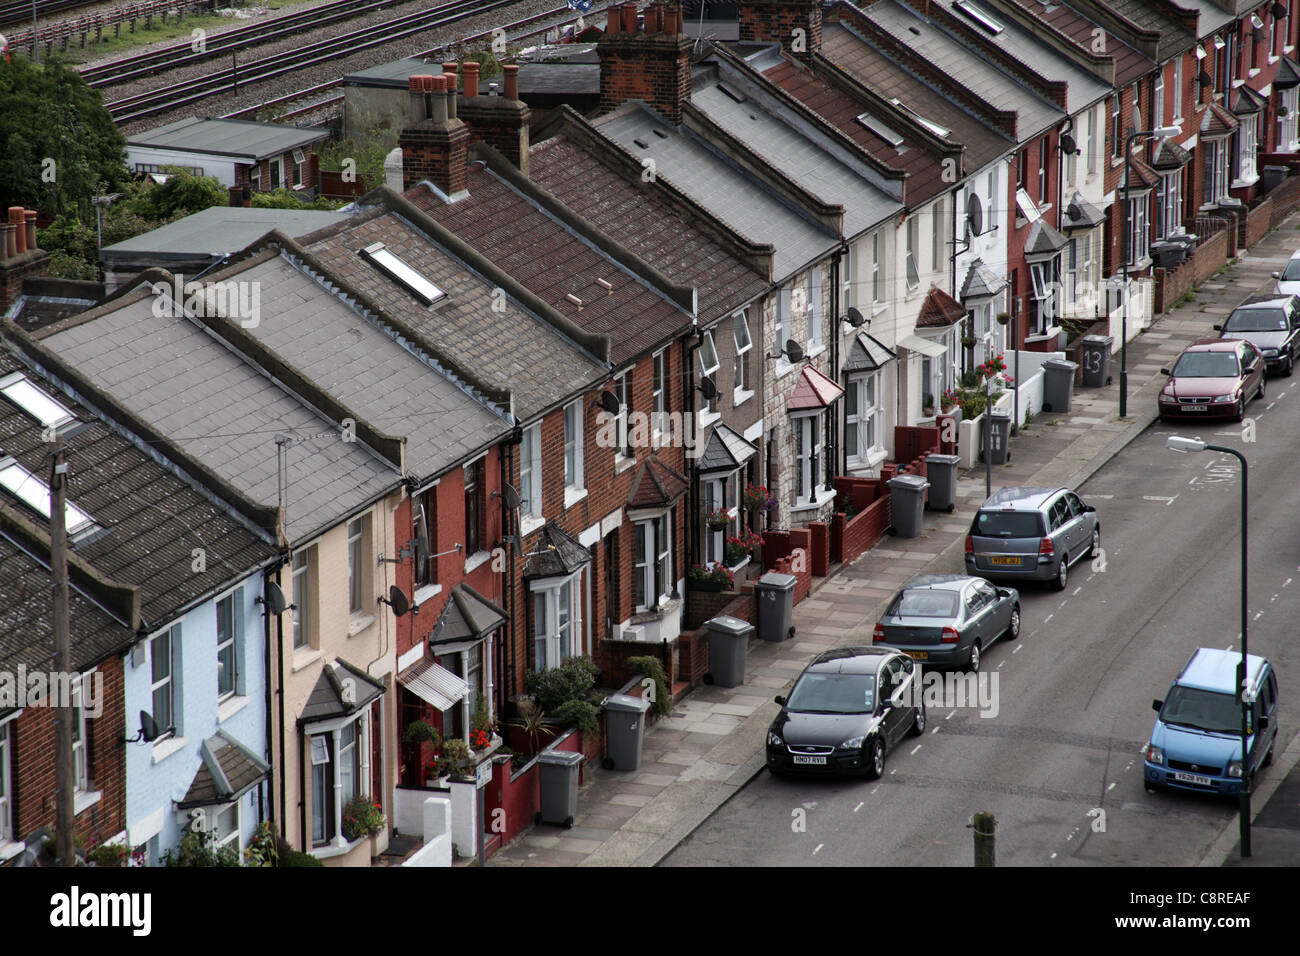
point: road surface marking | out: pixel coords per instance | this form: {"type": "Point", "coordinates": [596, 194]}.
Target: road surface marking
{"type": "Point", "coordinates": [1110, 788]}
{"type": "Point", "coordinates": [1106, 497]}
{"type": "Point", "coordinates": [818, 848]}
{"type": "Point", "coordinates": [949, 717]}
{"type": "Point", "coordinates": [1000, 665]}
{"type": "Point", "coordinates": [1269, 405]}
{"type": "Point", "coordinates": [1090, 577]}
{"type": "Point", "coordinates": [1287, 581]}
{"type": "Point", "coordinates": [892, 772]}
{"type": "Point", "coordinates": [858, 807]}
{"type": "Point", "coordinates": [1048, 618]}
{"type": "Point", "coordinates": [1062, 604]}
{"type": "Point", "coordinates": [1017, 650]}
{"type": "Point", "coordinates": [1052, 857]}
{"type": "Point", "coordinates": [916, 748]}
{"type": "Point", "coordinates": [1258, 615]}
{"type": "Point", "coordinates": [1192, 480]}
{"type": "Point", "coordinates": [1076, 591]}
{"type": "Point", "coordinates": [1167, 501]}
{"type": "Point", "coordinates": [875, 788]}
{"type": "Point", "coordinates": [1272, 599]}
{"type": "Point", "coordinates": [935, 731]}
{"type": "Point", "coordinates": [1208, 464]}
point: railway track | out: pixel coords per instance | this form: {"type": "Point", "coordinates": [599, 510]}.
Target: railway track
{"type": "Point", "coordinates": [20, 11]}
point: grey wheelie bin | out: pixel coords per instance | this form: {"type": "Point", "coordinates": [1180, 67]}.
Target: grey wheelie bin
{"type": "Point", "coordinates": [998, 450]}
{"type": "Point", "coordinates": [1058, 384]}
{"type": "Point", "coordinates": [558, 770]}
{"type": "Point", "coordinates": [907, 504]}
{"type": "Point", "coordinates": [942, 472]}
{"type": "Point", "coordinates": [624, 731]}
{"type": "Point", "coordinates": [728, 650]}
{"type": "Point", "coordinates": [775, 594]}
{"type": "Point", "coordinates": [1095, 353]}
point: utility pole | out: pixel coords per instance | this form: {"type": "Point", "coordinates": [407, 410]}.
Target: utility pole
{"type": "Point", "coordinates": [65, 773]}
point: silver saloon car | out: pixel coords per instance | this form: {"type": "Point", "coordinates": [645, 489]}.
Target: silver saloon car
{"type": "Point", "coordinates": [947, 620]}
{"type": "Point", "coordinates": [1031, 534]}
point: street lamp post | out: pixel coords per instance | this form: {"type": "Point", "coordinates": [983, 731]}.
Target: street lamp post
{"type": "Point", "coordinates": [1161, 132]}
{"type": "Point", "coordinates": [1180, 444]}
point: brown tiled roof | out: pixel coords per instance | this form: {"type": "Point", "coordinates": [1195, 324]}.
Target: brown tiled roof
{"type": "Point", "coordinates": [814, 390]}
{"type": "Point", "coordinates": [549, 257]}
{"type": "Point", "coordinates": [868, 65]}
{"type": "Point", "coordinates": [646, 225]}
{"type": "Point", "coordinates": [1150, 17]}
{"type": "Point", "coordinates": [655, 485]}
{"type": "Point", "coordinates": [939, 310]}
{"type": "Point", "coordinates": [1129, 62]}
{"type": "Point", "coordinates": [1218, 122]}
{"type": "Point", "coordinates": [1144, 177]}
{"type": "Point", "coordinates": [923, 162]}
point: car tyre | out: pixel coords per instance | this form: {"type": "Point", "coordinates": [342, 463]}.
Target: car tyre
{"type": "Point", "coordinates": [1268, 757]}
{"type": "Point", "coordinates": [774, 772]}
{"type": "Point", "coordinates": [1290, 365]}
{"type": "Point", "coordinates": [973, 665]}
{"type": "Point", "coordinates": [876, 759]}
{"type": "Point", "coordinates": [1095, 550]}
{"type": "Point", "coordinates": [1240, 411]}
{"type": "Point", "coordinates": [1013, 628]}
{"type": "Point", "coordinates": [918, 724]}
{"type": "Point", "coordinates": [1062, 574]}
{"type": "Point", "coordinates": [1260, 393]}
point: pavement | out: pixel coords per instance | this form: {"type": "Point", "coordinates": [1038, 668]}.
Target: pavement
{"type": "Point", "coordinates": [713, 743]}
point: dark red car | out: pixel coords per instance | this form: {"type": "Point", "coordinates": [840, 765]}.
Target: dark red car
{"type": "Point", "coordinates": [1213, 378]}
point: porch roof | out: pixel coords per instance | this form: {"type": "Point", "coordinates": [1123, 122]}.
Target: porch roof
{"type": "Point", "coordinates": [981, 282]}
{"type": "Point", "coordinates": [556, 553]}
{"type": "Point", "coordinates": [433, 684]}
{"type": "Point", "coordinates": [939, 310]}
{"type": "Point", "coordinates": [655, 485]}
{"type": "Point", "coordinates": [1044, 240]}
{"type": "Point", "coordinates": [725, 450]}
{"type": "Point", "coordinates": [228, 771]}
{"type": "Point", "coordinates": [866, 354]}
{"type": "Point", "coordinates": [1088, 216]}
{"type": "Point", "coordinates": [332, 698]}
{"type": "Point", "coordinates": [468, 616]}
{"type": "Point", "coordinates": [814, 390]}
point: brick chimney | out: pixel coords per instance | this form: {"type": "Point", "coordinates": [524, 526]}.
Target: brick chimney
{"type": "Point", "coordinates": [20, 258]}
{"type": "Point", "coordinates": [434, 144]}
{"type": "Point", "coordinates": [776, 21]}
{"type": "Point", "coordinates": [651, 63]}
{"type": "Point", "coordinates": [499, 121]}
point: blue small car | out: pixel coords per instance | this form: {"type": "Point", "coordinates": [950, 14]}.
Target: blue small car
{"type": "Point", "coordinates": [1196, 742]}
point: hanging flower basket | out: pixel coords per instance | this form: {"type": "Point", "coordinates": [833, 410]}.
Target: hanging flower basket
{"type": "Point", "coordinates": [1004, 318]}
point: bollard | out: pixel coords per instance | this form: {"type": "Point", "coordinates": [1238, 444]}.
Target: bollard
{"type": "Point", "coordinates": [985, 826]}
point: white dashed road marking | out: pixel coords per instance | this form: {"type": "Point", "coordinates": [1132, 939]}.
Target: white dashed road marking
{"type": "Point", "coordinates": [916, 748]}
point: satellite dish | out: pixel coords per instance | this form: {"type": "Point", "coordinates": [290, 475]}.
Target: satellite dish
{"type": "Point", "coordinates": [974, 214]}
{"type": "Point", "coordinates": [274, 599]}
{"type": "Point", "coordinates": [511, 496]}
{"type": "Point", "coordinates": [855, 318]}
{"type": "Point", "coordinates": [609, 402]}
{"type": "Point", "coordinates": [1073, 211]}
{"type": "Point", "coordinates": [148, 727]}
{"type": "Point", "coordinates": [793, 350]}
{"type": "Point", "coordinates": [1204, 78]}
{"type": "Point", "coordinates": [1068, 144]}
{"type": "Point", "coordinates": [398, 601]}
{"type": "Point", "coordinates": [708, 388]}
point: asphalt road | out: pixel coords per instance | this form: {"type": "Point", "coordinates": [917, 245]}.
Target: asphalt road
{"type": "Point", "coordinates": [1060, 764]}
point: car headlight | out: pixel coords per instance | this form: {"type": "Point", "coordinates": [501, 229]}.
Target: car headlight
{"type": "Point", "coordinates": [1269, 351]}
{"type": "Point", "coordinates": [1169, 399]}
{"type": "Point", "coordinates": [1155, 754]}
{"type": "Point", "coordinates": [1220, 399]}
{"type": "Point", "coordinates": [774, 739]}
{"type": "Point", "coordinates": [1234, 769]}
{"type": "Point", "coordinates": [854, 743]}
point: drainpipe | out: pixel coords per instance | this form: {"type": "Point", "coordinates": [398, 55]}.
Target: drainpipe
{"type": "Point", "coordinates": [692, 470]}
{"type": "Point", "coordinates": [832, 420]}
{"type": "Point", "coordinates": [270, 729]}
{"type": "Point", "coordinates": [508, 652]}
{"type": "Point", "coordinates": [302, 793]}
{"type": "Point", "coordinates": [279, 626]}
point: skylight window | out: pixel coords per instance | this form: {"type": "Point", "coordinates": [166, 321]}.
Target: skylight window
{"type": "Point", "coordinates": [934, 128]}
{"type": "Point", "coordinates": [979, 16]}
{"type": "Point", "coordinates": [34, 493]}
{"type": "Point", "coordinates": [19, 390]}
{"type": "Point", "coordinates": [880, 129]}
{"type": "Point", "coordinates": [415, 283]}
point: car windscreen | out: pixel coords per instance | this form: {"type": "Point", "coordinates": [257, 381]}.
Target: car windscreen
{"type": "Point", "coordinates": [1256, 320]}
{"type": "Point", "coordinates": [1292, 271]}
{"type": "Point", "coordinates": [924, 602]}
{"type": "Point", "coordinates": [1202, 710]}
{"type": "Point", "coordinates": [834, 694]}
{"type": "Point", "coordinates": [1206, 365]}
{"type": "Point", "coordinates": [1007, 524]}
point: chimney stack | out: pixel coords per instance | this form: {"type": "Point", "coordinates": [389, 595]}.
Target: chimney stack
{"type": "Point", "coordinates": [651, 64]}
{"type": "Point", "coordinates": [795, 24]}
{"type": "Point", "coordinates": [435, 143]}
{"type": "Point", "coordinates": [499, 121]}
{"type": "Point", "coordinates": [18, 219]}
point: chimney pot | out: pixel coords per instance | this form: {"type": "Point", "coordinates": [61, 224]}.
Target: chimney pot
{"type": "Point", "coordinates": [629, 17]}
{"type": "Point", "coordinates": [6, 241]}
{"type": "Point", "coordinates": [674, 22]}
{"type": "Point", "coordinates": [438, 99]}
{"type": "Point", "coordinates": [615, 24]}
{"type": "Point", "coordinates": [654, 18]}
{"type": "Point", "coordinates": [31, 230]}
{"type": "Point", "coordinates": [450, 68]}
{"type": "Point", "coordinates": [471, 78]}
{"type": "Point", "coordinates": [18, 219]}
{"type": "Point", "coordinates": [511, 71]}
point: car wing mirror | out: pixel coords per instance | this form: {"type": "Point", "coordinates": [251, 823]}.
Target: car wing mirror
{"type": "Point", "coordinates": [1157, 704]}
{"type": "Point", "coordinates": [1276, 275]}
{"type": "Point", "coordinates": [1165, 371]}
{"type": "Point", "coordinates": [1217, 328]}
{"type": "Point", "coordinates": [1263, 721]}
{"type": "Point", "coordinates": [780, 699]}
{"type": "Point", "coordinates": [1090, 509]}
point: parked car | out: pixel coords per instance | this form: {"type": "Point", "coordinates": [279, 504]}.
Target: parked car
{"type": "Point", "coordinates": [1196, 742]}
{"type": "Point", "coordinates": [1213, 378]}
{"type": "Point", "coordinates": [847, 710]}
{"type": "Point", "coordinates": [946, 620]}
{"type": "Point", "coordinates": [1272, 325]}
{"type": "Point", "coordinates": [1288, 280]}
{"type": "Point", "coordinates": [1031, 534]}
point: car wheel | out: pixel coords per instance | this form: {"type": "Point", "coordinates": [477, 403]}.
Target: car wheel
{"type": "Point", "coordinates": [876, 762]}
{"type": "Point", "coordinates": [973, 665]}
{"type": "Point", "coordinates": [1290, 366]}
{"type": "Point", "coordinates": [1268, 757]}
{"type": "Point", "coordinates": [1095, 550]}
{"type": "Point", "coordinates": [1260, 393]}
{"type": "Point", "coordinates": [1240, 412]}
{"type": "Point", "coordinates": [774, 772]}
{"type": "Point", "coordinates": [1013, 628]}
{"type": "Point", "coordinates": [1062, 574]}
{"type": "Point", "coordinates": [918, 724]}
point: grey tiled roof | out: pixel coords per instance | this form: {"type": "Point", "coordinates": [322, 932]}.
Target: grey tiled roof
{"type": "Point", "coordinates": [866, 354]}
{"type": "Point", "coordinates": [467, 616]}
{"type": "Point", "coordinates": [1089, 215]}
{"type": "Point", "coordinates": [1034, 113]}
{"type": "Point", "coordinates": [725, 450]}
{"type": "Point", "coordinates": [727, 192]}
{"type": "Point", "coordinates": [327, 698]}
{"type": "Point", "coordinates": [229, 769]}
{"type": "Point", "coordinates": [981, 282]}
{"type": "Point", "coordinates": [555, 552]}
{"type": "Point", "coordinates": [1043, 239]}
{"type": "Point", "coordinates": [223, 411]}
{"type": "Point", "coordinates": [218, 230]}
{"type": "Point", "coordinates": [772, 136]}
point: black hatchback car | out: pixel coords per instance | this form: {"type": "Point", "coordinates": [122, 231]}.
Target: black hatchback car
{"type": "Point", "coordinates": [1272, 325]}
{"type": "Point", "coordinates": [847, 710]}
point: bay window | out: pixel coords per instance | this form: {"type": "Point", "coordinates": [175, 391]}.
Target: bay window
{"type": "Point", "coordinates": [1287, 131]}
{"type": "Point", "coordinates": [654, 581]}
{"type": "Point", "coordinates": [339, 755]}
{"type": "Point", "coordinates": [1246, 139]}
{"type": "Point", "coordinates": [808, 457]}
{"type": "Point", "coordinates": [1216, 170]}
{"type": "Point", "coordinates": [1045, 301]}
{"type": "Point", "coordinates": [6, 807]}
{"type": "Point", "coordinates": [1139, 233]}
{"type": "Point", "coordinates": [1169, 204]}
{"type": "Point", "coordinates": [861, 418]}
{"type": "Point", "coordinates": [557, 620]}
{"type": "Point", "coordinates": [721, 495]}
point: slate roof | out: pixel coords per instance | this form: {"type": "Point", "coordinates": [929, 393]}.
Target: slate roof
{"type": "Point", "coordinates": [646, 225]}
{"type": "Point", "coordinates": [939, 310]}
{"type": "Point", "coordinates": [223, 410]}
{"type": "Point", "coordinates": [227, 137]}
{"type": "Point", "coordinates": [468, 615]}
{"type": "Point", "coordinates": [332, 698]}
{"type": "Point", "coordinates": [655, 484]}
{"type": "Point", "coordinates": [217, 231]}
{"type": "Point", "coordinates": [1034, 113]}
{"type": "Point", "coordinates": [554, 553]}
{"type": "Point", "coordinates": [518, 350]}
{"type": "Point", "coordinates": [1130, 63]}
{"type": "Point", "coordinates": [354, 359]}
{"type": "Point", "coordinates": [1089, 215]}
{"type": "Point", "coordinates": [551, 259]}
{"type": "Point", "coordinates": [981, 282]}
{"type": "Point", "coordinates": [152, 519]}
{"type": "Point", "coordinates": [731, 195]}
{"type": "Point", "coordinates": [1043, 239]}
{"type": "Point", "coordinates": [871, 66]}
{"type": "Point", "coordinates": [1248, 102]}
{"type": "Point", "coordinates": [769, 133]}
{"type": "Point", "coordinates": [921, 161]}
{"type": "Point", "coordinates": [1169, 155]}
{"type": "Point", "coordinates": [813, 390]}
{"type": "Point", "coordinates": [1212, 15]}
{"type": "Point", "coordinates": [724, 450]}
{"type": "Point", "coordinates": [1174, 37]}
{"type": "Point", "coordinates": [867, 354]}
{"type": "Point", "coordinates": [228, 771]}
{"type": "Point", "coordinates": [32, 311]}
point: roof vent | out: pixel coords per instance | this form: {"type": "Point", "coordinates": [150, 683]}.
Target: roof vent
{"type": "Point", "coordinates": [982, 19]}
{"type": "Point", "coordinates": [607, 286]}
{"type": "Point", "coordinates": [575, 300]}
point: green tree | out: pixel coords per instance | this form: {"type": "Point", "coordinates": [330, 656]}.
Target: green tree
{"type": "Point", "coordinates": [61, 146]}
{"type": "Point", "coordinates": [182, 194]}
{"type": "Point", "coordinates": [282, 198]}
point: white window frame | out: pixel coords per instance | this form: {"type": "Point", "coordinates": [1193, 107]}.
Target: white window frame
{"type": "Point", "coordinates": [814, 310]}
{"type": "Point", "coordinates": [739, 332]}
{"type": "Point", "coordinates": [911, 270]}
{"type": "Point", "coordinates": [1169, 203]}
{"type": "Point", "coordinates": [1043, 192]}
{"type": "Point", "coordinates": [1288, 133]}
{"type": "Point", "coordinates": [1216, 180]}
{"type": "Point", "coordinates": [299, 168]}
{"type": "Point", "coordinates": [936, 234]}
{"type": "Point", "coordinates": [1045, 289]}
{"type": "Point", "coordinates": [1139, 239]}
{"type": "Point", "coordinates": [334, 781]}
{"type": "Point", "coordinates": [80, 763]}
{"type": "Point", "coordinates": [1178, 87]}
{"type": "Point", "coordinates": [275, 168]}
{"type": "Point", "coordinates": [555, 637]}
{"type": "Point", "coordinates": [1072, 168]}
{"type": "Point", "coordinates": [255, 177]}
{"type": "Point", "coordinates": [707, 355]}
{"type": "Point", "coordinates": [653, 557]}
{"type": "Point", "coordinates": [659, 395]}
{"type": "Point", "coordinates": [236, 610]}
{"type": "Point", "coordinates": [168, 726]}
{"type": "Point", "coordinates": [1158, 97]}
{"type": "Point", "coordinates": [1247, 134]}
{"type": "Point", "coordinates": [1116, 126]}
{"type": "Point", "coordinates": [846, 280]}
{"type": "Point", "coordinates": [809, 457]}
{"type": "Point", "coordinates": [235, 836]}
{"type": "Point", "coordinates": [6, 786]}
{"type": "Point", "coordinates": [530, 471]}
{"type": "Point", "coordinates": [865, 421]}
{"type": "Point", "coordinates": [622, 435]}
{"type": "Point", "coordinates": [721, 494]}
{"type": "Point", "coordinates": [875, 268]}
{"type": "Point", "coordinates": [574, 487]}
{"type": "Point", "coordinates": [1092, 140]}
{"type": "Point", "coordinates": [302, 598]}
{"type": "Point", "coordinates": [356, 565]}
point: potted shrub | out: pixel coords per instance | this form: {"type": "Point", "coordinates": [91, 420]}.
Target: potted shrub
{"type": "Point", "coordinates": [362, 817]}
{"type": "Point", "coordinates": [456, 752]}
{"type": "Point", "coordinates": [927, 403]}
{"type": "Point", "coordinates": [714, 577]}
{"type": "Point", "coordinates": [844, 504]}
{"type": "Point", "coordinates": [532, 721]}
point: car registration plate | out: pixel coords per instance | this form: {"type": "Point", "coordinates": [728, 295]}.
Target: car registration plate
{"type": "Point", "coordinates": [1194, 408]}
{"type": "Point", "coordinates": [919, 655]}
{"type": "Point", "coordinates": [1003, 560]}
{"type": "Point", "coordinates": [818, 761]}
{"type": "Point", "coordinates": [1194, 778]}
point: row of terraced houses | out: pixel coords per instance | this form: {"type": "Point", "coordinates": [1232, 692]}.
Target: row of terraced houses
{"type": "Point", "coordinates": [497, 413]}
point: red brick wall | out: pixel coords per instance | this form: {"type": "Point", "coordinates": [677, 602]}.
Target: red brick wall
{"type": "Point", "coordinates": [1256, 223]}
{"type": "Point", "coordinates": [850, 537]}
{"type": "Point", "coordinates": [653, 67]}
{"type": "Point", "coordinates": [774, 21]}
{"type": "Point", "coordinates": [34, 771]}
{"type": "Point", "coordinates": [311, 176]}
{"type": "Point", "coordinates": [1199, 266]}
{"type": "Point", "coordinates": [912, 442]}
{"type": "Point", "coordinates": [1285, 199]}
{"type": "Point", "coordinates": [13, 271]}
{"type": "Point", "coordinates": [439, 155]}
